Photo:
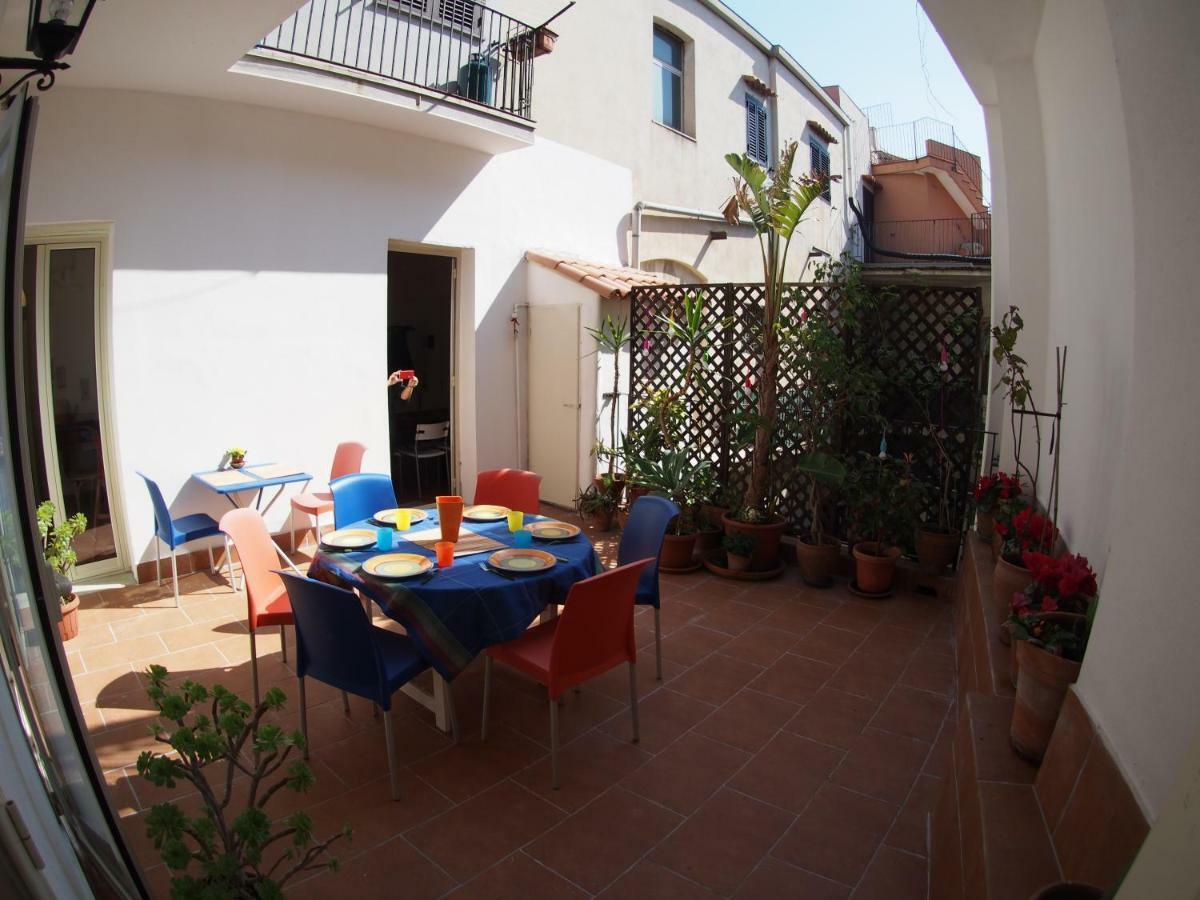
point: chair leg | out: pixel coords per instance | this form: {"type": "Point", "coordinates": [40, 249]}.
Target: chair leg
{"type": "Point", "coordinates": [345, 703]}
{"type": "Point", "coordinates": [212, 563]}
{"type": "Point", "coordinates": [658, 643]}
{"type": "Point", "coordinates": [554, 743]}
{"type": "Point", "coordinates": [157, 559]}
{"type": "Point", "coordinates": [283, 642]}
{"type": "Point", "coordinates": [292, 520]}
{"type": "Point", "coordinates": [487, 696]}
{"type": "Point", "coordinates": [229, 562]}
{"type": "Point", "coordinates": [254, 668]}
{"type": "Point", "coordinates": [303, 715]}
{"type": "Point", "coordinates": [390, 740]}
{"type": "Point", "coordinates": [633, 700]}
{"type": "Point", "coordinates": [175, 576]}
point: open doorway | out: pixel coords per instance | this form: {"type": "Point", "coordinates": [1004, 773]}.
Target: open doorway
{"type": "Point", "coordinates": [420, 329]}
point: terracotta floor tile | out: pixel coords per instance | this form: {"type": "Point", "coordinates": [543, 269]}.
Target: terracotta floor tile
{"type": "Point", "coordinates": [856, 616]}
{"type": "Point", "coordinates": [909, 831]}
{"type": "Point", "coordinates": [748, 719]}
{"type": "Point", "coordinates": [932, 672]}
{"type": "Point", "coordinates": [590, 765]}
{"type": "Point", "coordinates": [733, 618]}
{"type": "Point", "coordinates": [485, 829]}
{"type": "Point", "coordinates": [150, 623]}
{"type": "Point", "coordinates": [647, 880]}
{"type": "Point", "coordinates": [132, 708]}
{"type": "Point", "coordinates": [912, 712]}
{"type": "Point", "coordinates": [852, 679]}
{"type": "Point", "coordinates": [793, 678]}
{"type": "Point", "coordinates": [517, 878]}
{"type": "Point", "coordinates": [113, 681]}
{"type": "Point", "coordinates": [105, 656]}
{"type": "Point", "coordinates": [723, 842]}
{"type": "Point", "coordinates": [686, 773]}
{"type": "Point", "coordinates": [474, 765]}
{"type": "Point", "coordinates": [375, 817]}
{"type": "Point", "coordinates": [119, 747]}
{"type": "Point", "coordinates": [615, 682]}
{"type": "Point", "coordinates": [716, 679]}
{"type": "Point", "coordinates": [675, 613]}
{"type": "Point", "coordinates": [833, 717]}
{"type": "Point", "coordinates": [760, 644]}
{"type": "Point", "coordinates": [883, 765]}
{"type": "Point", "coordinates": [691, 644]}
{"type": "Point", "coordinates": [837, 835]}
{"type": "Point", "coordinates": [828, 644]}
{"type": "Point", "coordinates": [530, 716]}
{"type": "Point", "coordinates": [787, 772]}
{"type": "Point", "coordinates": [596, 845]}
{"type": "Point", "coordinates": [796, 617]}
{"type": "Point", "coordinates": [665, 715]}
{"type": "Point", "coordinates": [779, 881]}
{"type": "Point", "coordinates": [893, 875]}
{"type": "Point", "coordinates": [374, 874]}
{"type": "Point", "coordinates": [363, 756]}
{"type": "Point", "coordinates": [941, 756]}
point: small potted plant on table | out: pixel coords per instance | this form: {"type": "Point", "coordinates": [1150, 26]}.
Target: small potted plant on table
{"type": "Point", "coordinates": [237, 457]}
{"type": "Point", "coordinates": [58, 548]}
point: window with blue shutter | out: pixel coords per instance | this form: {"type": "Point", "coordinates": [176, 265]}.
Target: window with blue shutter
{"type": "Point", "coordinates": [757, 144]}
{"type": "Point", "coordinates": [818, 155]}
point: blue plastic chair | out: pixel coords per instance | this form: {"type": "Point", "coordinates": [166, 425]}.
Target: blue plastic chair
{"type": "Point", "coordinates": [642, 538]}
{"type": "Point", "coordinates": [337, 644]}
{"type": "Point", "coordinates": [174, 532]}
{"type": "Point", "coordinates": [360, 496]}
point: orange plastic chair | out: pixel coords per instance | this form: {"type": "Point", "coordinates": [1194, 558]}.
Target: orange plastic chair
{"type": "Point", "coordinates": [347, 460]}
{"type": "Point", "coordinates": [514, 488]}
{"type": "Point", "coordinates": [593, 634]}
{"type": "Point", "coordinates": [266, 596]}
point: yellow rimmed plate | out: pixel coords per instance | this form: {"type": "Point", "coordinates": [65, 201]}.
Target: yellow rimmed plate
{"type": "Point", "coordinates": [485, 512]}
{"type": "Point", "coordinates": [350, 539]}
{"type": "Point", "coordinates": [397, 565]}
{"type": "Point", "coordinates": [550, 530]}
{"type": "Point", "coordinates": [388, 516]}
{"type": "Point", "coordinates": [521, 561]}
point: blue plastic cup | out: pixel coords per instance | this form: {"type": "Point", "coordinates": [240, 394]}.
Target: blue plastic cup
{"type": "Point", "coordinates": [383, 538]}
{"type": "Point", "coordinates": [522, 539]}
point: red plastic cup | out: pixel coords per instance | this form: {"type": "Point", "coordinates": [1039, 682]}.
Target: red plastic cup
{"type": "Point", "coordinates": [445, 554]}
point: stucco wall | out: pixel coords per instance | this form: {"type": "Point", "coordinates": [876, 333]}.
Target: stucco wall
{"type": "Point", "coordinates": [249, 283]}
{"type": "Point", "coordinates": [903, 197]}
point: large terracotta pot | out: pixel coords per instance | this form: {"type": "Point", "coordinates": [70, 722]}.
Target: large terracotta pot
{"type": "Point", "coordinates": [68, 626]}
{"type": "Point", "coordinates": [708, 539]}
{"type": "Point", "coordinates": [766, 537]}
{"type": "Point", "coordinates": [1069, 890]}
{"type": "Point", "coordinates": [1042, 682]}
{"type": "Point", "coordinates": [997, 543]}
{"type": "Point", "coordinates": [712, 515]}
{"type": "Point", "coordinates": [677, 551]}
{"type": "Point", "coordinates": [874, 567]}
{"type": "Point", "coordinates": [985, 525]}
{"type": "Point", "coordinates": [633, 491]}
{"type": "Point", "coordinates": [600, 520]}
{"type": "Point", "coordinates": [818, 562]}
{"type": "Point", "coordinates": [618, 485]}
{"type": "Point", "coordinates": [937, 550]}
{"type": "Point", "coordinates": [1007, 579]}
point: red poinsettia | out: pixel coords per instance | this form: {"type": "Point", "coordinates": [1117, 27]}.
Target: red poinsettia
{"type": "Point", "coordinates": [1027, 530]}
{"type": "Point", "coordinates": [992, 489]}
{"type": "Point", "coordinates": [1063, 583]}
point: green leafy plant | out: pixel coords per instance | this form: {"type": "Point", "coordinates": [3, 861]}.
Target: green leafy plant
{"type": "Point", "coordinates": [776, 203]}
{"type": "Point", "coordinates": [1017, 389]}
{"type": "Point", "coordinates": [699, 333]}
{"type": "Point", "coordinates": [881, 498]}
{"type": "Point", "coordinates": [674, 475]}
{"type": "Point", "coordinates": [739, 543]}
{"type": "Point", "coordinates": [612, 337]}
{"type": "Point", "coordinates": [228, 850]}
{"type": "Point", "coordinates": [236, 452]}
{"type": "Point", "coordinates": [595, 500]}
{"type": "Point", "coordinates": [58, 540]}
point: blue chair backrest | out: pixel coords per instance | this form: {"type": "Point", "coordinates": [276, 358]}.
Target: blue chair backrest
{"type": "Point", "coordinates": [334, 639]}
{"type": "Point", "coordinates": [357, 497]}
{"type": "Point", "coordinates": [162, 515]}
{"type": "Point", "coordinates": [642, 538]}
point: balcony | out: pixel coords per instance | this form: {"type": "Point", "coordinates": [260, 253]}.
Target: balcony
{"type": "Point", "coordinates": [965, 237]}
{"type": "Point", "coordinates": [453, 70]}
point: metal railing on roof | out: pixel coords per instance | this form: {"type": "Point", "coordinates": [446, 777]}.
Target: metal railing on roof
{"type": "Point", "coordinates": [456, 47]}
{"type": "Point", "coordinates": [925, 137]}
{"type": "Point", "coordinates": [958, 237]}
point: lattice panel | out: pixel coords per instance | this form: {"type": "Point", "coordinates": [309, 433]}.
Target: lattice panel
{"type": "Point", "coordinates": [914, 325]}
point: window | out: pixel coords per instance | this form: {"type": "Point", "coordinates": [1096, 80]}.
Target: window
{"type": "Point", "coordinates": [818, 154]}
{"type": "Point", "coordinates": [668, 79]}
{"type": "Point", "coordinates": [757, 143]}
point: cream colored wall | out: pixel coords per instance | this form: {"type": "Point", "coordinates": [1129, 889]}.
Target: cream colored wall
{"type": "Point", "coordinates": [908, 196]}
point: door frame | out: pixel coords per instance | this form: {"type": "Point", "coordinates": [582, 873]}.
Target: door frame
{"type": "Point", "coordinates": [455, 254]}
{"type": "Point", "coordinates": [68, 235]}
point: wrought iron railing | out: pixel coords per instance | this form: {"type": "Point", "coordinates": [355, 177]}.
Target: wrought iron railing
{"type": "Point", "coordinates": [961, 237]}
{"type": "Point", "coordinates": [457, 47]}
{"type": "Point", "coordinates": [925, 137]}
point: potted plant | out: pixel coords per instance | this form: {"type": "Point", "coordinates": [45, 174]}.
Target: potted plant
{"type": "Point", "coordinates": [596, 507]}
{"type": "Point", "coordinates": [222, 851]}
{"type": "Point", "coordinates": [739, 549]}
{"type": "Point", "coordinates": [58, 548]}
{"type": "Point", "coordinates": [1027, 531]}
{"type": "Point", "coordinates": [237, 456]}
{"type": "Point", "coordinates": [612, 337]}
{"type": "Point", "coordinates": [990, 491]}
{"type": "Point", "coordinates": [881, 499]}
{"type": "Point", "coordinates": [1050, 624]}
{"type": "Point", "coordinates": [675, 476]}
{"type": "Point", "coordinates": [776, 203]}
{"type": "Point", "coordinates": [708, 514]}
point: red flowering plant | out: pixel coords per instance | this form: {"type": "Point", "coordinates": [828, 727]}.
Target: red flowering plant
{"type": "Point", "coordinates": [1061, 584]}
{"type": "Point", "coordinates": [1026, 530]}
{"type": "Point", "coordinates": [991, 490]}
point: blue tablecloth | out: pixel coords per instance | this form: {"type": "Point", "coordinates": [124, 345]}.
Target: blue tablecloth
{"type": "Point", "coordinates": [452, 617]}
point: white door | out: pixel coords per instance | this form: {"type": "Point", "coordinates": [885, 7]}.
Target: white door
{"type": "Point", "coordinates": [554, 400]}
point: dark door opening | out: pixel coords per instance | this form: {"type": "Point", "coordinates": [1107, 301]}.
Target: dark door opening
{"type": "Point", "coordinates": [420, 307]}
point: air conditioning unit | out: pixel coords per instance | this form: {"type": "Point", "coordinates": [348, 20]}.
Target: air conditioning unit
{"type": "Point", "coordinates": [463, 16]}
{"type": "Point", "coordinates": [970, 248]}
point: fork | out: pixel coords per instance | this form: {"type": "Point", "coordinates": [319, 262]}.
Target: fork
{"type": "Point", "coordinates": [488, 568]}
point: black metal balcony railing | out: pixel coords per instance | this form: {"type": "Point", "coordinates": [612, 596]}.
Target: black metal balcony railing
{"type": "Point", "coordinates": [456, 47]}
{"type": "Point", "coordinates": [925, 137]}
{"type": "Point", "coordinates": [958, 237]}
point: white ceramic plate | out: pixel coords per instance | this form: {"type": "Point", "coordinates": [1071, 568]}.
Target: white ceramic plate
{"type": "Point", "coordinates": [350, 539]}
{"type": "Point", "coordinates": [485, 513]}
{"type": "Point", "coordinates": [397, 565]}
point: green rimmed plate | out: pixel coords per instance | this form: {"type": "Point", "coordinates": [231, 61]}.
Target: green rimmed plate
{"type": "Point", "coordinates": [485, 512]}
{"type": "Point", "coordinates": [350, 539]}
{"type": "Point", "coordinates": [388, 516]}
{"type": "Point", "coordinates": [521, 561]}
{"type": "Point", "coordinates": [551, 530]}
{"type": "Point", "coordinates": [397, 565]}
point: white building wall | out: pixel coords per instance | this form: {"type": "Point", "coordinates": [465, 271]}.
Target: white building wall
{"type": "Point", "coordinates": [249, 282]}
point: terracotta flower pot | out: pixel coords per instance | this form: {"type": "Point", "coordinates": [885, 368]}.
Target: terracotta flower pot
{"type": "Point", "coordinates": [997, 543]}
{"type": "Point", "coordinates": [1042, 682]}
{"type": "Point", "coordinates": [817, 562]}
{"type": "Point", "coordinates": [937, 550]}
{"type": "Point", "coordinates": [68, 626]}
{"type": "Point", "coordinates": [737, 563]}
{"type": "Point", "coordinates": [708, 539]}
{"type": "Point", "coordinates": [616, 489]}
{"type": "Point", "coordinates": [600, 520]}
{"type": "Point", "coordinates": [1013, 662]}
{"type": "Point", "coordinates": [985, 525]}
{"type": "Point", "coordinates": [450, 513]}
{"type": "Point", "coordinates": [1069, 890]}
{"type": "Point", "coordinates": [711, 514]}
{"type": "Point", "coordinates": [874, 567]}
{"type": "Point", "coordinates": [237, 462]}
{"type": "Point", "coordinates": [677, 551]}
{"type": "Point", "coordinates": [766, 536]}
{"type": "Point", "coordinates": [1007, 579]}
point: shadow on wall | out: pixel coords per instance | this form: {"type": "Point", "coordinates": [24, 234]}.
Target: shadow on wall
{"type": "Point", "coordinates": [497, 416]}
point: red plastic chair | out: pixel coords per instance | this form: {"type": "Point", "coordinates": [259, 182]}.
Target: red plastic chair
{"type": "Point", "coordinates": [347, 460]}
{"type": "Point", "coordinates": [514, 488]}
{"type": "Point", "coordinates": [593, 634]}
{"type": "Point", "coordinates": [266, 597]}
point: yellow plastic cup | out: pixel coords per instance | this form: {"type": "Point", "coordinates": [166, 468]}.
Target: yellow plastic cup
{"type": "Point", "coordinates": [516, 520]}
{"type": "Point", "coordinates": [403, 519]}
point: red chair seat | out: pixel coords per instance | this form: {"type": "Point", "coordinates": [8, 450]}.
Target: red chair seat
{"type": "Point", "coordinates": [530, 653]}
{"type": "Point", "coordinates": [315, 504]}
{"type": "Point", "coordinates": [276, 610]}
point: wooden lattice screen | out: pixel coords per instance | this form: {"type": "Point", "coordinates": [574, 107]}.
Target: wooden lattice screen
{"type": "Point", "coordinates": [914, 324]}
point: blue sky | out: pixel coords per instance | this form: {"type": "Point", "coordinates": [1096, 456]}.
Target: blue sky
{"type": "Point", "coordinates": [880, 51]}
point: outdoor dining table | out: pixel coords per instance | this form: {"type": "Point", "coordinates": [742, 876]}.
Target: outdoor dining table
{"type": "Point", "coordinates": [453, 615]}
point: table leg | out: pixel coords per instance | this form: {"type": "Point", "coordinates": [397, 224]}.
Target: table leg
{"type": "Point", "coordinates": [437, 702]}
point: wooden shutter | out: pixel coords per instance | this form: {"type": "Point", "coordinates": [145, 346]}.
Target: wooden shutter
{"type": "Point", "coordinates": [756, 130]}
{"type": "Point", "coordinates": [818, 155]}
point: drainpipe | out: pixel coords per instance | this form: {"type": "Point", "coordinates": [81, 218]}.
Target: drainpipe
{"type": "Point", "coordinates": [635, 252]}
{"type": "Point", "coordinates": [682, 212]}
{"type": "Point", "coordinates": [773, 83]}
